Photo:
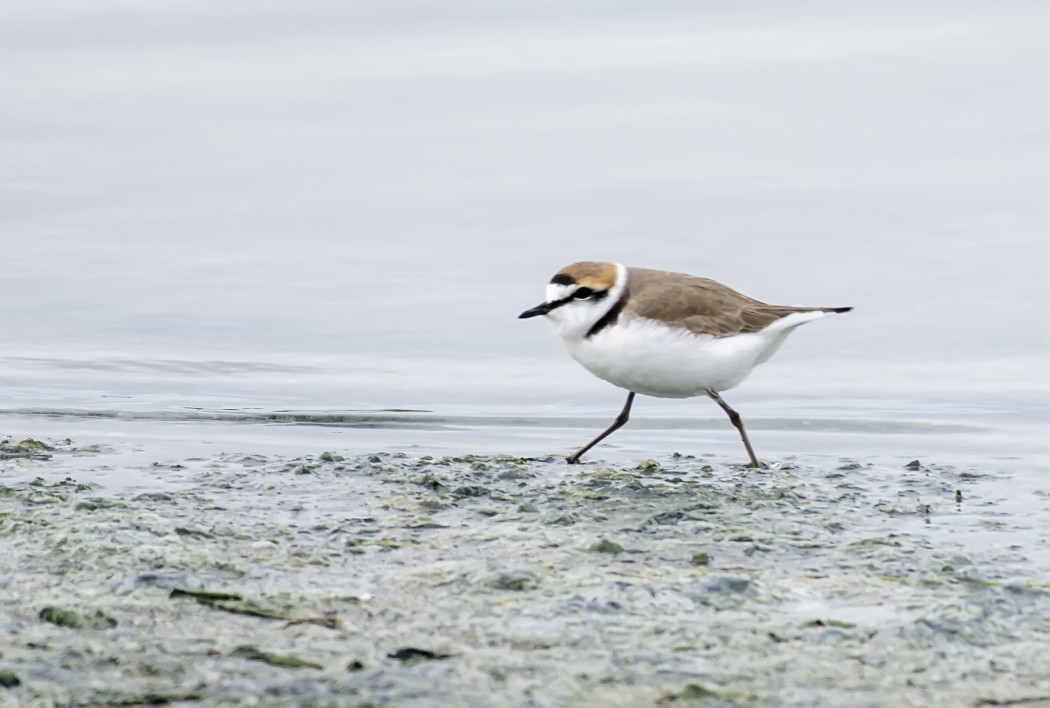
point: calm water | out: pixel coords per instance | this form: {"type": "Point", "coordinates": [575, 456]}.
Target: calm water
{"type": "Point", "coordinates": [227, 211]}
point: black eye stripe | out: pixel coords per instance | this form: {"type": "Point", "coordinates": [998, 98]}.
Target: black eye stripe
{"type": "Point", "coordinates": [587, 294]}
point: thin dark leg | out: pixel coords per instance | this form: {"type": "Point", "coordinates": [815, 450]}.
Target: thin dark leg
{"type": "Point", "coordinates": [734, 418]}
{"type": "Point", "coordinates": [616, 425]}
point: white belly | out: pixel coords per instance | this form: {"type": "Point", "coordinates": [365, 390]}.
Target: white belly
{"type": "Point", "coordinates": [643, 356]}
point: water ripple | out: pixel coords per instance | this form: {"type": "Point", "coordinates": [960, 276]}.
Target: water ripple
{"type": "Point", "coordinates": [419, 419]}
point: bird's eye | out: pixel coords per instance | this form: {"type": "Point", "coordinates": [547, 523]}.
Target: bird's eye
{"type": "Point", "coordinates": [582, 293]}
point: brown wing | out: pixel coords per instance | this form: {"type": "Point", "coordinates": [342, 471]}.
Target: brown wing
{"type": "Point", "coordinates": [700, 305]}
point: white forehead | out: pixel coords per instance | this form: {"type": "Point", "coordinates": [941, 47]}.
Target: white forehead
{"type": "Point", "coordinates": [556, 291]}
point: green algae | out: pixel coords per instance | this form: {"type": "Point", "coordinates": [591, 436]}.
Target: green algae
{"type": "Point", "coordinates": [698, 693]}
{"type": "Point", "coordinates": [607, 546]}
{"type": "Point", "coordinates": [234, 603]}
{"type": "Point", "coordinates": [516, 581]}
{"type": "Point", "coordinates": [146, 698]}
{"type": "Point", "coordinates": [28, 448]}
{"type": "Point", "coordinates": [77, 620]}
{"type": "Point", "coordinates": [286, 661]}
{"type": "Point", "coordinates": [700, 558]}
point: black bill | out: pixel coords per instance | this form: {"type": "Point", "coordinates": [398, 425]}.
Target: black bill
{"type": "Point", "coordinates": [541, 309]}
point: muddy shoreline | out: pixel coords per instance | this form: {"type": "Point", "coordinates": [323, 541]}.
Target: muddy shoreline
{"type": "Point", "coordinates": [386, 579]}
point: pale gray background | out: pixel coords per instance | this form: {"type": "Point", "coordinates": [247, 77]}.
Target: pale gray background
{"type": "Point", "coordinates": [351, 202]}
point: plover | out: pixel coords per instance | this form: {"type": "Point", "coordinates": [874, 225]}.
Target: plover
{"type": "Point", "coordinates": [664, 334]}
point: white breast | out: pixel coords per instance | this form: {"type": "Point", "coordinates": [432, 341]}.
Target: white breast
{"type": "Point", "coordinates": [648, 357]}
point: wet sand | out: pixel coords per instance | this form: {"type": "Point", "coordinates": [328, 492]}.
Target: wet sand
{"type": "Point", "coordinates": [387, 579]}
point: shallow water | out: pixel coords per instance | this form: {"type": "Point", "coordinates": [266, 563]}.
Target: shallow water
{"type": "Point", "coordinates": [258, 209]}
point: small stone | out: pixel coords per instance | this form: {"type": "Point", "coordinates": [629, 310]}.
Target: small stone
{"type": "Point", "coordinates": [692, 693]}
{"type": "Point", "coordinates": [828, 623]}
{"type": "Point", "coordinates": [431, 481]}
{"type": "Point", "coordinates": [727, 584]}
{"type": "Point", "coordinates": [412, 655]}
{"type": "Point", "coordinates": [472, 490]}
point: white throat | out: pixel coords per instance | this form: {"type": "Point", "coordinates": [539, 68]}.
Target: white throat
{"type": "Point", "coordinates": [573, 320]}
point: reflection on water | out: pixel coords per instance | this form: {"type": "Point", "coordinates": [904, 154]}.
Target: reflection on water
{"type": "Point", "coordinates": [425, 420]}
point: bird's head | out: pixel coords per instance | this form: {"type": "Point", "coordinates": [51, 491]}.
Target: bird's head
{"type": "Point", "coordinates": [579, 295]}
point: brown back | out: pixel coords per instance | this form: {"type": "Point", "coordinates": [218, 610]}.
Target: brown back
{"type": "Point", "coordinates": [700, 305]}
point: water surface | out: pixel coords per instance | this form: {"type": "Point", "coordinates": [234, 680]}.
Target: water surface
{"type": "Point", "coordinates": [256, 209]}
